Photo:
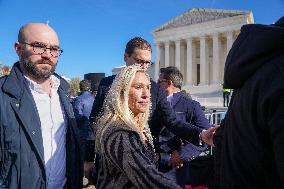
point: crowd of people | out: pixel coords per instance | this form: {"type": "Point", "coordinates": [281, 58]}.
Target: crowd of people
{"type": "Point", "coordinates": [136, 132]}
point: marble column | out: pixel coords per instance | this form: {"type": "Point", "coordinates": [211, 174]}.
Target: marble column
{"type": "Point", "coordinates": [157, 62]}
{"type": "Point", "coordinates": [162, 55]}
{"type": "Point", "coordinates": [216, 58]}
{"type": "Point", "coordinates": [229, 40]}
{"type": "Point", "coordinates": [189, 58]}
{"type": "Point", "coordinates": [177, 54]}
{"type": "Point", "coordinates": [194, 63]}
{"type": "Point", "coordinates": [203, 62]}
{"type": "Point", "coordinates": [167, 53]}
{"type": "Point", "coordinates": [183, 61]}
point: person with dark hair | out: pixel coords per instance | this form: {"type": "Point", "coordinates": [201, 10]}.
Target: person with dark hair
{"type": "Point", "coordinates": [39, 143]}
{"type": "Point", "coordinates": [249, 142]}
{"type": "Point", "coordinates": [177, 153]}
{"type": "Point", "coordinates": [138, 52]}
{"type": "Point", "coordinates": [85, 86]}
{"type": "Point", "coordinates": [137, 43]}
{"type": "Point", "coordinates": [82, 107]}
{"type": "Point", "coordinates": [174, 76]}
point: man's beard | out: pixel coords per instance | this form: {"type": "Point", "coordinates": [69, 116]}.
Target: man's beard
{"type": "Point", "coordinates": [40, 74]}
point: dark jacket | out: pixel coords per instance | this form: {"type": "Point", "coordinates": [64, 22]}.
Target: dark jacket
{"type": "Point", "coordinates": [82, 106]}
{"type": "Point", "coordinates": [190, 111]}
{"type": "Point", "coordinates": [127, 162]}
{"type": "Point", "coordinates": [252, 134]}
{"type": "Point", "coordinates": [21, 146]}
{"type": "Point", "coordinates": [161, 113]}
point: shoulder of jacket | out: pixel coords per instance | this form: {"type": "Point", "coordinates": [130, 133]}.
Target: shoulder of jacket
{"type": "Point", "coordinates": [3, 79]}
{"type": "Point", "coordinates": [156, 89]}
{"type": "Point", "coordinates": [190, 103]}
{"type": "Point", "coordinates": [63, 83]}
{"type": "Point", "coordinates": [119, 129]}
{"type": "Point", "coordinates": [108, 78]}
{"type": "Point", "coordinates": [186, 98]}
{"type": "Point", "coordinates": [154, 84]}
{"type": "Point", "coordinates": [107, 81]}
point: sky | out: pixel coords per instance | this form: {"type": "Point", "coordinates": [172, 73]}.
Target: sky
{"type": "Point", "coordinates": [93, 33]}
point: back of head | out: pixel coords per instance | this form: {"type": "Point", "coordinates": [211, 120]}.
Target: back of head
{"type": "Point", "coordinates": [255, 46]}
{"type": "Point", "coordinates": [173, 74]}
{"type": "Point", "coordinates": [137, 42]}
{"type": "Point", "coordinates": [85, 85]}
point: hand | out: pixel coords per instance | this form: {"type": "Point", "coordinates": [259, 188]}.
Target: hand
{"type": "Point", "coordinates": [207, 135]}
{"type": "Point", "coordinates": [88, 169]}
{"type": "Point", "coordinates": [175, 160]}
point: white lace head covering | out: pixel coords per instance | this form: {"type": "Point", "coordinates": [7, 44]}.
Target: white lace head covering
{"type": "Point", "coordinates": [116, 108]}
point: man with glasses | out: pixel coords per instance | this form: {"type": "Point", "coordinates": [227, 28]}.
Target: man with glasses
{"type": "Point", "coordinates": [177, 154]}
{"type": "Point", "coordinates": [138, 51]}
{"type": "Point", "coordinates": [39, 146]}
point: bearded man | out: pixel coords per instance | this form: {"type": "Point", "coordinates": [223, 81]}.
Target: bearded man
{"type": "Point", "coordinates": [39, 145]}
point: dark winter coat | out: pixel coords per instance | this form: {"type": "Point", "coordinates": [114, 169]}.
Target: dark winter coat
{"type": "Point", "coordinates": [251, 137]}
{"type": "Point", "coordinates": [128, 162]}
{"type": "Point", "coordinates": [82, 106]}
{"type": "Point", "coordinates": [21, 146]}
{"type": "Point", "coordinates": [190, 111]}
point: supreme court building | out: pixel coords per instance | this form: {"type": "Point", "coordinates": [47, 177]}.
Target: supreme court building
{"type": "Point", "coordinates": [197, 42]}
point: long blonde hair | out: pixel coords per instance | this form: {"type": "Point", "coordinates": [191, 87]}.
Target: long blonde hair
{"type": "Point", "coordinates": [116, 107]}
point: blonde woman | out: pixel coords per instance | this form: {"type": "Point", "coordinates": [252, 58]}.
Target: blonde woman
{"type": "Point", "coordinates": [123, 138]}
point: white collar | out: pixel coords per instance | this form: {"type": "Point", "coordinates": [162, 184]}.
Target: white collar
{"type": "Point", "coordinates": [37, 87]}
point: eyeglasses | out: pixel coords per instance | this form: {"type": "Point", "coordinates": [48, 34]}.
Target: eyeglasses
{"type": "Point", "coordinates": [162, 80]}
{"type": "Point", "coordinates": [139, 61]}
{"type": "Point", "coordinates": [40, 48]}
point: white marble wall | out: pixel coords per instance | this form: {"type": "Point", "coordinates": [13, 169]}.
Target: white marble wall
{"type": "Point", "coordinates": [199, 49]}
{"type": "Point", "coordinates": [207, 51]}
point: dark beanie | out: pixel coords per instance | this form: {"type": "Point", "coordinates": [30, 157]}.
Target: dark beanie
{"type": "Point", "coordinates": [280, 22]}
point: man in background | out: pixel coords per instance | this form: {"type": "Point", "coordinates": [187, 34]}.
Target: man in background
{"type": "Point", "coordinates": [226, 97]}
{"type": "Point", "coordinates": [138, 51]}
{"type": "Point", "coordinates": [177, 153]}
{"type": "Point", "coordinates": [82, 106]}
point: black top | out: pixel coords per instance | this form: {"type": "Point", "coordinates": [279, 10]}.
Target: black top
{"type": "Point", "coordinates": [127, 162]}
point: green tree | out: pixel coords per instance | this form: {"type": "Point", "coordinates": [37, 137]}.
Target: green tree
{"type": "Point", "coordinates": [74, 86]}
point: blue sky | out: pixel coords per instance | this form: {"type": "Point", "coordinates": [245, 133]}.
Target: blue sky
{"type": "Point", "coordinates": [93, 33]}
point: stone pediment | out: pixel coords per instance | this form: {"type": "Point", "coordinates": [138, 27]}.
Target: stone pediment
{"type": "Point", "coordinates": [199, 15]}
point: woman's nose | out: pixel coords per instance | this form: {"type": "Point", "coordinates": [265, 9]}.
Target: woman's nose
{"type": "Point", "coordinates": [146, 93]}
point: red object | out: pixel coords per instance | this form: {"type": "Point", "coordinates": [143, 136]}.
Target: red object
{"type": "Point", "coordinates": [200, 187]}
{"type": "Point", "coordinates": [187, 187]}
{"type": "Point", "coordinates": [197, 187]}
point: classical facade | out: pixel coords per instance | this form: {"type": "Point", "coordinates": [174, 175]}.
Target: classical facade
{"type": "Point", "coordinates": [197, 42]}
